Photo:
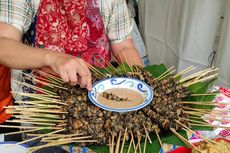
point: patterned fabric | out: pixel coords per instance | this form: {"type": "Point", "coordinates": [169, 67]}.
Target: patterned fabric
{"type": "Point", "coordinates": [114, 13]}
{"type": "Point", "coordinates": [73, 27]}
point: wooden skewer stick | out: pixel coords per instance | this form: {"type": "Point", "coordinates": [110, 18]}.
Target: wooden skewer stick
{"type": "Point", "coordinates": [122, 62]}
{"type": "Point", "coordinates": [110, 145]}
{"type": "Point", "coordinates": [27, 122]}
{"type": "Point", "coordinates": [40, 102]}
{"type": "Point", "coordinates": [163, 74]}
{"type": "Point", "coordinates": [206, 94]}
{"type": "Point", "coordinates": [206, 110]}
{"type": "Point", "coordinates": [158, 137]}
{"type": "Point", "coordinates": [203, 74]}
{"type": "Point", "coordinates": [47, 84]}
{"type": "Point", "coordinates": [144, 151]}
{"type": "Point", "coordinates": [120, 65]}
{"type": "Point", "coordinates": [56, 143]}
{"type": "Point", "coordinates": [39, 119]}
{"type": "Point", "coordinates": [92, 68]}
{"type": "Point", "coordinates": [57, 136]}
{"type": "Point", "coordinates": [185, 71]}
{"type": "Point", "coordinates": [136, 147]}
{"type": "Point", "coordinates": [130, 144]}
{"type": "Point", "coordinates": [209, 125]}
{"type": "Point", "coordinates": [47, 92]}
{"type": "Point", "coordinates": [28, 114]}
{"type": "Point", "coordinates": [118, 143]}
{"type": "Point", "coordinates": [24, 131]}
{"type": "Point", "coordinates": [41, 111]}
{"type": "Point", "coordinates": [171, 72]}
{"type": "Point", "coordinates": [44, 135]}
{"type": "Point", "coordinates": [37, 96]}
{"type": "Point", "coordinates": [191, 76]}
{"type": "Point", "coordinates": [185, 140]}
{"type": "Point", "coordinates": [49, 76]}
{"type": "Point", "coordinates": [208, 141]}
{"type": "Point", "coordinates": [41, 96]}
{"type": "Point", "coordinates": [29, 127]}
{"type": "Point", "coordinates": [133, 140]}
{"type": "Point", "coordinates": [146, 132]}
{"type": "Point", "coordinates": [185, 128]}
{"type": "Point", "coordinates": [126, 60]}
{"type": "Point", "coordinates": [202, 80]}
{"type": "Point", "coordinates": [112, 67]}
{"type": "Point", "coordinates": [123, 142]}
{"type": "Point", "coordinates": [203, 103]}
{"type": "Point", "coordinates": [67, 139]}
{"type": "Point", "coordinates": [139, 143]}
{"type": "Point", "coordinates": [103, 66]}
{"type": "Point", "coordinates": [112, 149]}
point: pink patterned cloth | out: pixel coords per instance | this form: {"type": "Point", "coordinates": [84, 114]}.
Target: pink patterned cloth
{"type": "Point", "coordinates": [74, 27]}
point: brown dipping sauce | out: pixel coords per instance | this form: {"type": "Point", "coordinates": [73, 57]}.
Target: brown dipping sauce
{"type": "Point", "coordinates": [134, 97]}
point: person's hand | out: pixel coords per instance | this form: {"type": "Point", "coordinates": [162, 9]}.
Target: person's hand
{"type": "Point", "coordinates": [71, 69]}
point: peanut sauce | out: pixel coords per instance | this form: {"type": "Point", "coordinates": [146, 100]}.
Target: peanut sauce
{"type": "Point", "coordinates": [134, 97]}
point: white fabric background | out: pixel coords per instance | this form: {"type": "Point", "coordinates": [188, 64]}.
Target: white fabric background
{"type": "Point", "coordinates": [186, 32]}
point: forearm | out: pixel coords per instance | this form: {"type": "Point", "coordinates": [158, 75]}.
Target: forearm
{"type": "Point", "coordinates": [129, 56]}
{"type": "Point", "coordinates": [16, 55]}
{"type": "Point", "coordinates": [126, 52]}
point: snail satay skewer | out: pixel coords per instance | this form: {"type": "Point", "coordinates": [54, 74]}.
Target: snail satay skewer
{"type": "Point", "coordinates": [79, 116]}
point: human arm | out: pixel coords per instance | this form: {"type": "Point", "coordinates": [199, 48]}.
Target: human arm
{"type": "Point", "coordinates": [119, 28]}
{"type": "Point", "coordinates": [16, 55]}
{"type": "Point", "coordinates": [126, 52]}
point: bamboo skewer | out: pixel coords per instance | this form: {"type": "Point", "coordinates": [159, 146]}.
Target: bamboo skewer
{"type": "Point", "coordinates": [171, 72]}
{"type": "Point", "coordinates": [47, 92]}
{"type": "Point", "coordinates": [28, 114]}
{"type": "Point", "coordinates": [25, 131]}
{"type": "Point", "coordinates": [123, 142]}
{"type": "Point", "coordinates": [39, 119]}
{"type": "Point", "coordinates": [185, 140]}
{"type": "Point", "coordinates": [201, 80]}
{"type": "Point", "coordinates": [139, 144]}
{"type": "Point", "coordinates": [40, 102]}
{"type": "Point", "coordinates": [158, 137]}
{"type": "Point", "coordinates": [102, 66]}
{"type": "Point", "coordinates": [191, 76]}
{"type": "Point", "coordinates": [133, 140]}
{"type": "Point", "coordinates": [150, 141]}
{"type": "Point", "coordinates": [49, 76]}
{"type": "Point", "coordinates": [33, 149]}
{"type": "Point", "coordinates": [27, 122]}
{"type": "Point", "coordinates": [29, 127]}
{"type": "Point", "coordinates": [158, 78]}
{"type": "Point", "coordinates": [206, 94]}
{"type": "Point", "coordinates": [66, 139]}
{"type": "Point", "coordinates": [203, 103]}
{"type": "Point", "coordinates": [47, 84]}
{"type": "Point", "coordinates": [40, 110]}
{"type": "Point", "coordinates": [110, 145]}
{"type": "Point", "coordinates": [130, 144]}
{"type": "Point", "coordinates": [92, 68]}
{"type": "Point", "coordinates": [112, 149]}
{"type": "Point", "coordinates": [184, 71]}
{"type": "Point", "coordinates": [144, 151]}
{"type": "Point", "coordinates": [120, 65]}
{"type": "Point", "coordinates": [204, 138]}
{"type": "Point", "coordinates": [209, 125]}
{"type": "Point", "coordinates": [35, 138]}
{"type": "Point", "coordinates": [118, 143]}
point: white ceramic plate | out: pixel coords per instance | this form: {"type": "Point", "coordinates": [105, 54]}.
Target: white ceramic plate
{"type": "Point", "coordinates": [133, 84]}
{"type": "Point", "coordinates": [12, 147]}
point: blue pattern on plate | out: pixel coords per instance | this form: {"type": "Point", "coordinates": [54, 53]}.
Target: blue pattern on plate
{"type": "Point", "coordinates": [114, 81]}
{"type": "Point", "coordinates": [138, 85]}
